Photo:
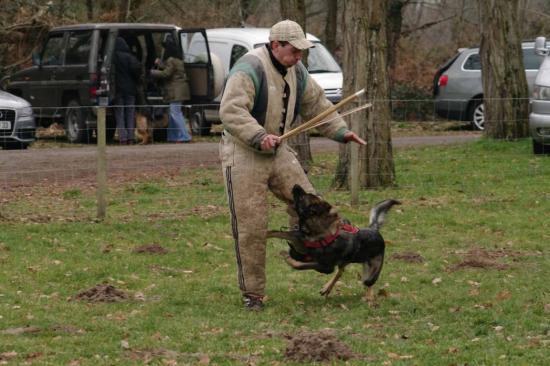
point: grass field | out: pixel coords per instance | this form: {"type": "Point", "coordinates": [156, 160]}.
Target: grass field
{"type": "Point", "coordinates": [464, 282]}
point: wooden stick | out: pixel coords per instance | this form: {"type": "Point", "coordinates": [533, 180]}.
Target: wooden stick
{"type": "Point", "coordinates": [325, 113]}
{"type": "Point", "coordinates": [295, 131]}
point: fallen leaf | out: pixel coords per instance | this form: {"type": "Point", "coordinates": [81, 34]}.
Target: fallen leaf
{"type": "Point", "coordinates": [503, 295]}
{"type": "Point", "coordinates": [437, 280]}
{"type": "Point", "coordinates": [7, 355]}
{"type": "Point", "coordinates": [20, 330]}
{"type": "Point", "coordinates": [204, 360]}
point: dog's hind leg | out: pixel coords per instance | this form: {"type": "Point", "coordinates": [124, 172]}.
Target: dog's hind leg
{"type": "Point", "coordinates": [301, 265]}
{"type": "Point", "coordinates": [327, 288]}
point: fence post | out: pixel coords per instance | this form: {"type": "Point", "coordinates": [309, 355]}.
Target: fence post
{"type": "Point", "coordinates": [101, 160]}
{"type": "Point", "coordinates": [354, 166]}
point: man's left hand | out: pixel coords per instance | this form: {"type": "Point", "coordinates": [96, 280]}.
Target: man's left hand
{"type": "Point", "coordinates": [351, 136]}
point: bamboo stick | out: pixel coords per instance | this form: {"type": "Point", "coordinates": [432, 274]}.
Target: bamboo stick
{"type": "Point", "coordinates": [322, 122]}
{"type": "Point", "coordinates": [323, 114]}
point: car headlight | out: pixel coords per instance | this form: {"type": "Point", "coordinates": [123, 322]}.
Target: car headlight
{"type": "Point", "coordinates": [541, 92]}
{"type": "Point", "coordinates": [25, 112]}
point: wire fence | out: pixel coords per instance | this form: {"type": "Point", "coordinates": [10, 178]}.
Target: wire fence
{"type": "Point", "coordinates": [54, 160]}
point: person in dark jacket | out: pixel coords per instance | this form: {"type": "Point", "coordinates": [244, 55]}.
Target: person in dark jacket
{"type": "Point", "coordinates": [175, 87]}
{"type": "Point", "coordinates": [127, 76]}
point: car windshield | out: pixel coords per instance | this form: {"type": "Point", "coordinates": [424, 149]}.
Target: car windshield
{"type": "Point", "coordinates": [320, 60]}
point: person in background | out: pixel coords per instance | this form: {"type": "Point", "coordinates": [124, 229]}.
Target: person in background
{"type": "Point", "coordinates": [127, 76]}
{"type": "Point", "coordinates": [265, 91]}
{"type": "Point", "coordinates": [175, 87]}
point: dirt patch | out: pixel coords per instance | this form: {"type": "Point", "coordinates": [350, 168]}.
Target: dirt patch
{"type": "Point", "coordinates": [317, 347]}
{"type": "Point", "coordinates": [477, 257]}
{"type": "Point", "coordinates": [150, 249]}
{"type": "Point", "coordinates": [478, 263]}
{"type": "Point", "coordinates": [101, 293]}
{"type": "Point", "coordinates": [410, 257]}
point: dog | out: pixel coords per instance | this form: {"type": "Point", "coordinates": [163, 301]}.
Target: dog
{"type": "Point", "coordinates": [324, 241]}
{"type": "Point", "coordinates": [146, 124]}
{"type": "Point", "coordinates": [143, 129]}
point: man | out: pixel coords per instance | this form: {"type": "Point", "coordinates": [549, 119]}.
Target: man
{"type": "Point", "coordinates": [266, 89]}
{"type": "Point", "coordinates": [127, 75]}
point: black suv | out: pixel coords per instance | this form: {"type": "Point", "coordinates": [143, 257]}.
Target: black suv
{"type": "Point", "coordinates": [73, 69]}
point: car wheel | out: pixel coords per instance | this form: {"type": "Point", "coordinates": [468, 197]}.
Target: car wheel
{"type": "Point", "coordinates": [539, 148]}
{"type": "Point", "coordinates": [199, 125]}
{"type": "Point", "coordinates": [477, 115]}
{"type": "Point", "coordinates": [75, 125]}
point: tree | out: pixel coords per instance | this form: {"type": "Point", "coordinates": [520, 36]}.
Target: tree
{"type": "Point", "coordinates": [365, 66]}
{"type": "Point", "coordinates": [296, 10]}
{"type": "Point", "coordinates": [504, 84]}
{"type": "Point", "coordinates": [330, 25]}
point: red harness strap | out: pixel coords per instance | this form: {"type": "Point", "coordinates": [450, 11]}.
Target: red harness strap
{"type": "Point", "coordinates": [328, 240]}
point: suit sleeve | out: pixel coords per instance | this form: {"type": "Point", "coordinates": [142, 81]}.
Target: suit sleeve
{"type": "Point", "coordinates": [314, 102]}
{"type": "Point", "coordinates": [237, 102]}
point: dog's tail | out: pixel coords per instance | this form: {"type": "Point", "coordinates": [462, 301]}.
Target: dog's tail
{"type": "Point", "coordinates": [378, 213]}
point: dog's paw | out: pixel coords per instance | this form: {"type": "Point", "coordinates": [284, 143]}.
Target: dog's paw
{"type": "Point", "coordinates": [326, 290]}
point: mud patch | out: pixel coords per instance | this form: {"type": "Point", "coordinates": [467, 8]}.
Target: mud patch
{"type": "Point", "coordinates": [477, 257]}
{"type": "Point", "coordinates": [478, 263]}
{"type": "Point", "coordinates": [317, 347]}
{"type": "Point", "coordinates": [150, 249]}
{"type": "Point", "coordinates": [101, 293]}
{"type": "Point", "coordinates": [410, 257]}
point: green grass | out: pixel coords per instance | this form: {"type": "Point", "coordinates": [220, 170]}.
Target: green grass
{"type": "Point", "coordinates": [186, 304]}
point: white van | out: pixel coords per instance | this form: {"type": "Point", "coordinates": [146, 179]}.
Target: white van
{"type": "Point", "coordinates": [229, 44]}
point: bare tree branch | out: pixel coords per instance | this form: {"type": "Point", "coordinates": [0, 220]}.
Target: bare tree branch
{"type": "Point", "coordinates": [408, 32]}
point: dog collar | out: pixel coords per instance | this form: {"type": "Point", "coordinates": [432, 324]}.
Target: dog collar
{"type": "Point", "coordinates": [329, 239]}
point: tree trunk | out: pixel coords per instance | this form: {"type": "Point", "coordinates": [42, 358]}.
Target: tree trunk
{"type": "Point", "coordinates": [365, 65]}
{"type": "Point", "coordinates": [395, 22]}
{"type": "Point", "coordinates": [330, 26]}
{"type": "Point", "coordinates": [245, 7]}
{"type": "Point", "coordinates": [503, 74]}
{"type": "Point", "coordinates": [296, 10]}
{"type": "Point", "coordinates": [90, 9]}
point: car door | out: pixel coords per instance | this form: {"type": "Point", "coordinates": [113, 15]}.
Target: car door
{"type": "Point", "coordinates": [73, 77]}
{"type": "Point", "coordinates": [198, 65]}
{"type": "Point", "coordinates": [42, 89]}
{"type": "Point", "coordinates": [531, 62]}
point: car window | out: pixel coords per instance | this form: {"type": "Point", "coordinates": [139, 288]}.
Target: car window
{"type": "Point", "coordinates": [237, 51]}
{"type": "Point", "coordinates": [319, 60]}
{"type": "Point", "coordinates": [52, 53]}
{"type": "Point", "coordinates": [78, 48]}
{"type": "Point", "coordinates": [473, 62]}
{"type": "Point", "coordinates": [196, 51]}
{"type": "Point", "coordinates": [531, 61]}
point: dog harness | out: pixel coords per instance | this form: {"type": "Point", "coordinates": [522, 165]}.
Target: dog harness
{"type": "Point", "coordinates": [329, 239]}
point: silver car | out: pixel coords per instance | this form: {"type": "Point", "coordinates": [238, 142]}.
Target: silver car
{"type": "Point", "coordinates": [539, 118]}
{"type": "Point", "coordinates": [17, 126]}
{"type": "Point", "coordinates": [458, 90]}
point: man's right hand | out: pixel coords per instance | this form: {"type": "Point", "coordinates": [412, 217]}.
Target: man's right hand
{"type": "Point", "coordinates": [270, 141]}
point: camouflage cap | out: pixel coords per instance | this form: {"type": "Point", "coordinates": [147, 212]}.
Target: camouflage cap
{"type": "Point", "coordinates": [291, 32]}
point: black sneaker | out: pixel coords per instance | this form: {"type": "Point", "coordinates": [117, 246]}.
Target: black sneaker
{"type": "Point", "coordinates": [253, 303]}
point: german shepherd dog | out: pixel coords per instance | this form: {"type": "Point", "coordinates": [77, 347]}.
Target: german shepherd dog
{"type": "Point", "coordinates": [323, 240]}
